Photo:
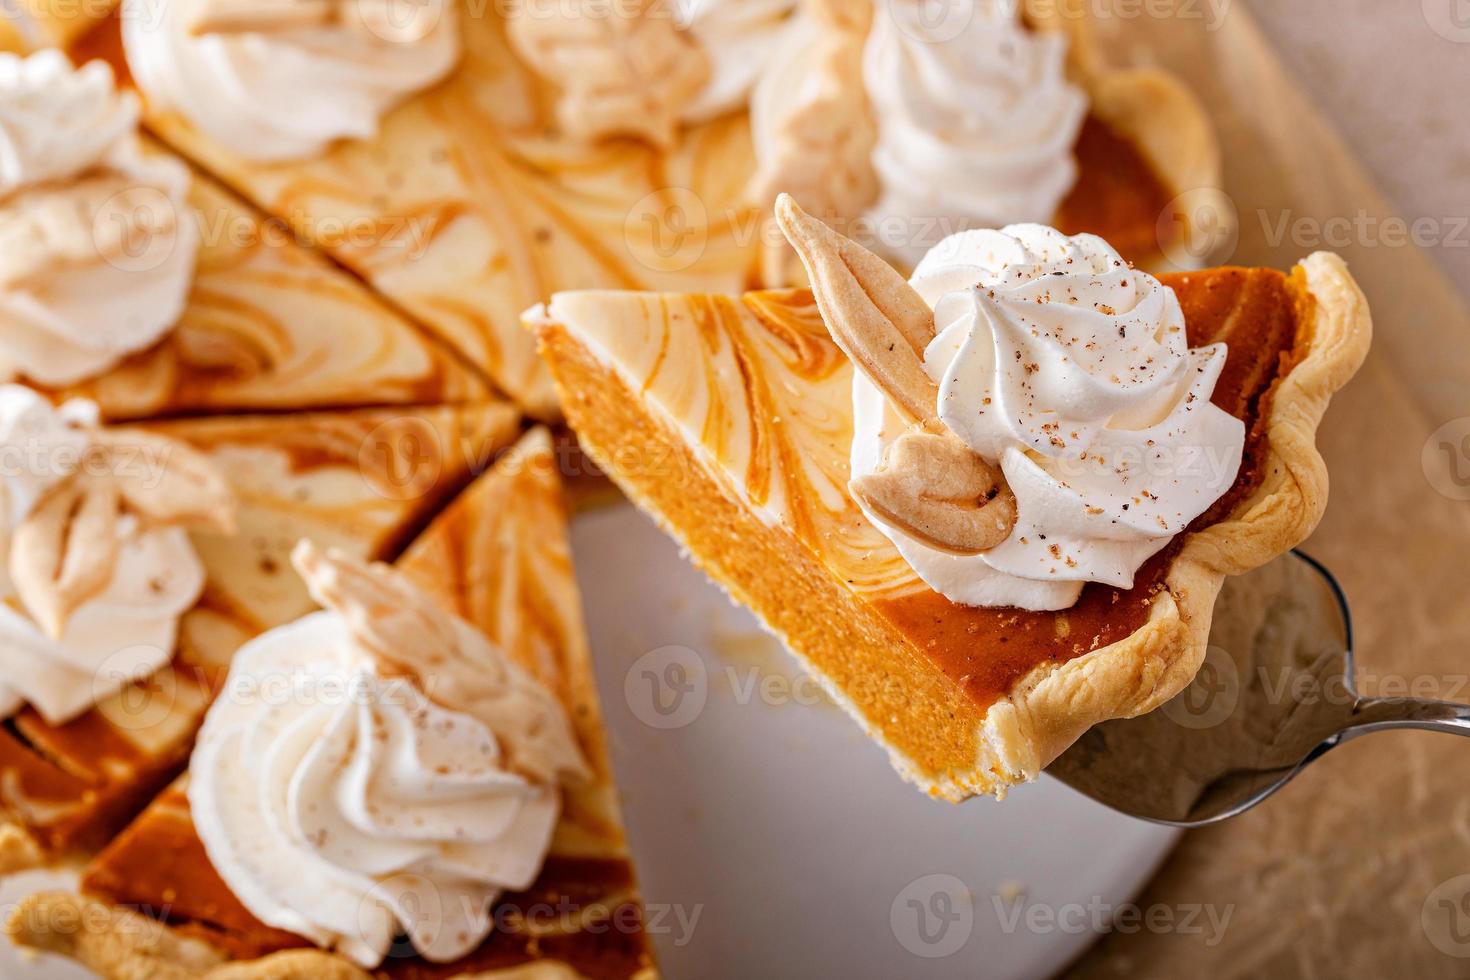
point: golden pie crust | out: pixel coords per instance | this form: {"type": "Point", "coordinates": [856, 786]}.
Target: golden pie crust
{"type": "Point", "coordinates": [729, 420]}
{"type": "Point", "coordinates": [1165, 123]}
{"type": "Point", "coordinates": [498, 557]}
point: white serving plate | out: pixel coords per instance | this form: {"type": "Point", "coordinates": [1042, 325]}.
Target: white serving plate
{"type": "Point", "coordinates": [774, 817]}
{"type": "Point", "coordinates": [772, 838]}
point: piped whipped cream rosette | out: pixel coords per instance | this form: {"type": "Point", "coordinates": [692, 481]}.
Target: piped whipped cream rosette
{"type": "Point", "coordinates": [283, 80]}
{"type": "Point", "coordinates": [379, 768]}
{"type": "Point", "coordinates": [97, 242]}
{"type": "Point", "coordinates": [1028, 416]}
{"type": "Point", "coordinates": [99, 567]}
{"type": "Point", "coordinates": [975, 116]}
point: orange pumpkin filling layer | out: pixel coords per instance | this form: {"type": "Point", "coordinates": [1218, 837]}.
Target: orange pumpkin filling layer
{"type": "Point", "coordinates": [1118, 196]}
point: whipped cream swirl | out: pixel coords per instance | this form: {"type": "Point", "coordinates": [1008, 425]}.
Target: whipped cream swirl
{"type": "Point", "coordinates": [270, 88]}
{"type": "Point", "coordinates": [976, 120]}
{"type": "Point", "coordinates": [97, 242]}
{"type": "Point", "coordinates": [739, 37]}
{"type": "Point", "coordinates": [378, 768]}
{"type": "Point", "coordinates": [1071, 370]}
{"type": "Point", "coordinates": [128, 629]}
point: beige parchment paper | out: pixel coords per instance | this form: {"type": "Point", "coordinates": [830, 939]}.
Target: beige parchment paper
{"type": "Point", "coordinates": [1362, 866]}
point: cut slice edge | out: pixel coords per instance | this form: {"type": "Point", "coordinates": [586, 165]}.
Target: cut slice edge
{"type": "Point", "coordinates": [491, 224]}
{"type": "Point", "coordinates": [1166, 122]}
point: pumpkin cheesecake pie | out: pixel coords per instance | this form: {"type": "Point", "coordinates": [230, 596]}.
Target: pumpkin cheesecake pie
{"type": "Point", "coordinates": [140, 559]}
{"type": "Point", "coordinates": [430, 797]}
{"type": "Point", "coordinates": [555, 144]}
{"type": "Point", "coordinates": [151, 290]}
{"type": "Point", "coordinates": [987, 508]}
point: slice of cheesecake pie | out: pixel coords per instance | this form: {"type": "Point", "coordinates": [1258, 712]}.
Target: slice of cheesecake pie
{"type": "Point", "coordinates": [1011, 521]}
{"type": "Point", "coordinates": [455, 816]}
{"type": "Point", "coordinates": [106, 678]}
{"type": "Point", "coordinates": [153, 291]}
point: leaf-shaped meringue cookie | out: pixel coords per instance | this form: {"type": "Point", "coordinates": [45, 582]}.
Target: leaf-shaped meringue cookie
{"type": "Point", "coordinates": [930, 484]}
{"type": "Point", "coordinates": [406, 635]}
{"type": "Point", "coordinates": [939, 491]}
{"type": "Point", "coordinates": [66, 550]}
{"type": "Point", "coordinates": [871, 311]}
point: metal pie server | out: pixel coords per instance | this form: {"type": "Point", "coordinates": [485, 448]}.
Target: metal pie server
{"type": "Point", "coordinates": [1275, 693]}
